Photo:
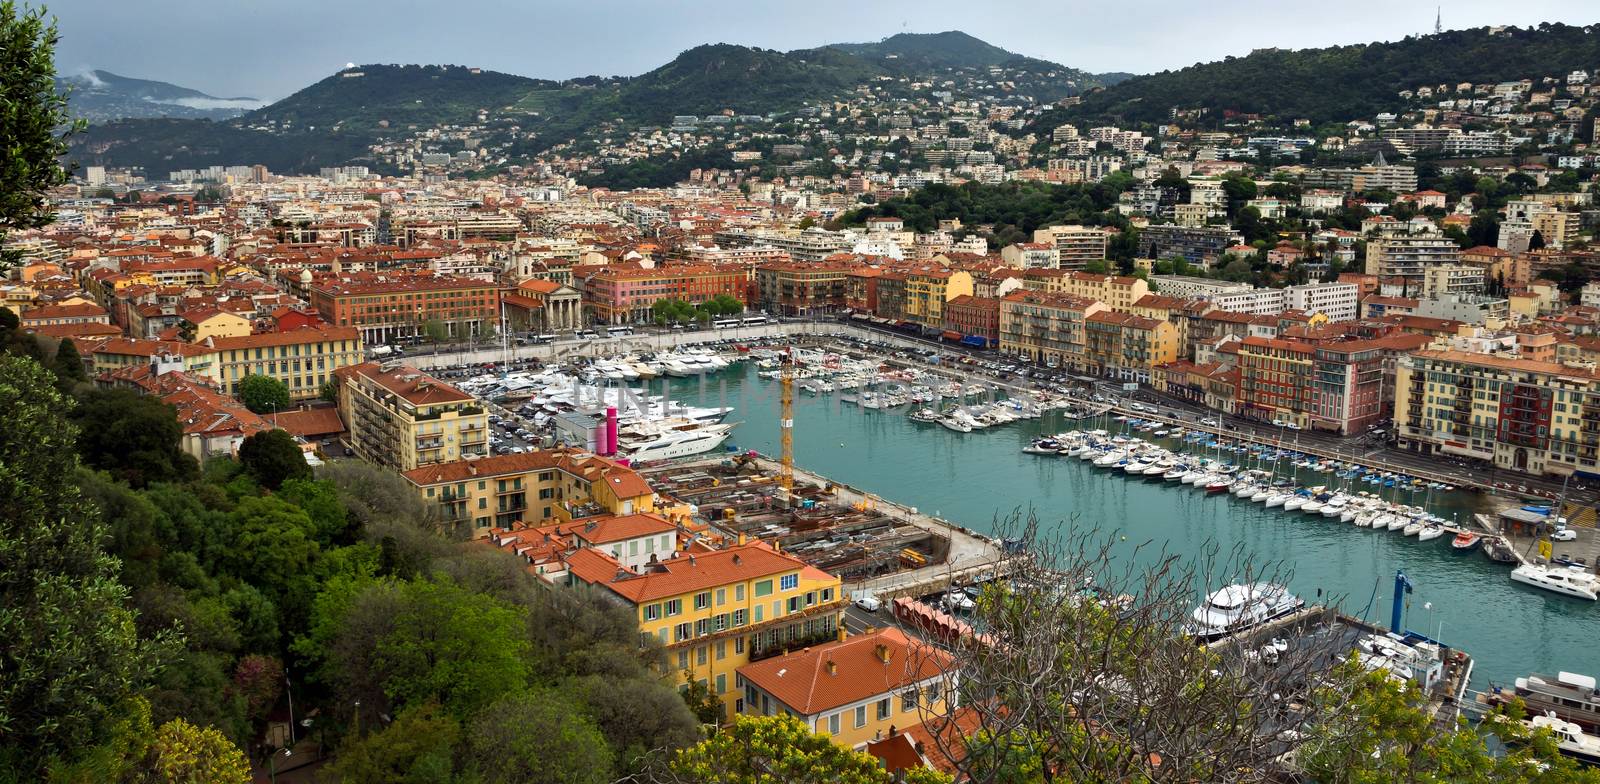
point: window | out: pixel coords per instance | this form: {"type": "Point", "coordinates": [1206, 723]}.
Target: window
{"type": "Point", "coordinates": [933, 693]}
{"type": "Point", "coordinates": [811, 598]}
{"type": "Point", "coordinates": [738, 617]}
{"type": "Point", "coordinates": [908, 700]}
{"type": "Point", "coordinates": [764, 588]}
{"type": "Point", "coordinates": [722, 684]}
{"type": "Point", "coordinates": [674, 607]}
{"type": "Point", "coordinates": [883, 708]}
{"type": "Point", "coordinates": [722, 649]}
{"type": "Point", "coordinates": [722, 596]}
{"type": "Point", "coordinates": [652, 612]}
{"type": "Point", "coordinates": [701, 627]}
{"type": "Point", "coordinates": [833, 724]}
{"type": "Point", "coordinates": [700, 656]}
{"type": "Point", "coordinates": [827, 595]}
{"type": "Point", "coordinates": [738, 645]}
{"type": "Point", "coordinates": [702, 600]}
{"type": "Point", "coordinates": [794, 604]}
{"type": "Point", "coordinates": [789, 582]}
{"type": "Point", "coordinates": [738, 592]}
{"type": "Point", "coordinates": [720, 621]}
{"type": "Point", "coordinates": [861, 716]}
{"type": "Point", "coordinates": [682, 632]}
{"type": "Point", "coordinates": [683, 660]}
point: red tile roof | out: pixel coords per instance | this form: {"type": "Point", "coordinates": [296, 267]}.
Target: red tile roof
{"type": "Point", "coordinates": [879, 663]}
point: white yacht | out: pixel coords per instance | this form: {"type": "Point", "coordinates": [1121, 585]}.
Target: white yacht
{"type": "Point", "coordinates": [1240, 606]}
{"type": "Point", "coordinates": [1571, 740]}
{"type": "Point", "coordinates": [1567, 581]}
{"type": "Point", "coordinates": [665, 443]}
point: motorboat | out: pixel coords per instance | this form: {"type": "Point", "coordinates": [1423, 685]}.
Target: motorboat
{"type": "Point", "coordinates": [1430, 532]}
{"type": "Point", "coordinates": [1039, 446]}
{"type": "Point", "coordinates": [1295, 502]}
{"type": "Point", "coordinates": [669, 442]}
{"type": "Point", "coordinates": [1466, 542]}
{"type": "Point", "coordinates": [1414, 528]}
{"type": "Point", "coordinates": [1576, 582]}
{"type": "Point", "coordinates": [1399, 522]}
{"type": "Point", "coordinates": [1567, 695]}
{"type": "Point", "coordinates": [1571, 740]}
{"type": "Point", "coordinates": [1238, 607]}
{"type": "Point", "coordinates": [1261, 493]}
{"type": "Point", "coordinates": [1218, 484]}
{"type": "Point", "coordinates": [1176, 473]}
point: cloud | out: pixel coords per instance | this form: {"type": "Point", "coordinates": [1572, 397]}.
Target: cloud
{"type": "Point", "coordinates": [212, 103]}
{"type": "Point", "coordinates": [87, 75]}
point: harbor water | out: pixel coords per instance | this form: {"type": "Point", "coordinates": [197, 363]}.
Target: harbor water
{"type": "Point", "coordinates": [972, 479]}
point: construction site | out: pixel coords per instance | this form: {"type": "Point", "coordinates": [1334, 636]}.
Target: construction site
{"type": "Point", "coordinates": [873, 545]}
{"type": "Point", "coordinates": [854, 539]}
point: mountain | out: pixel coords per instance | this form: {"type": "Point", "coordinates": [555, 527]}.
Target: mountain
{"type": "Point", "coordinates": [102, 96]}
{"type": "Point", "coordinates": [1341, 83]}
{"type": "Point", "coordinates": [358, 106]}
{"type": "Point", "coordinates": [950, 49]}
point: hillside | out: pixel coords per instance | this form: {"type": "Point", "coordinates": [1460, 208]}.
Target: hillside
{"type": "Point", "coordinates": [364, 97]}
{"type": "Point", "coordinates": [362, 105]}
{"type": "Point", "coordinates": [102, 96]}
{"type": "Point", "coordinates": [1345, 82]}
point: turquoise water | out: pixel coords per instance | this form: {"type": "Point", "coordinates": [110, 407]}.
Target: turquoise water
{"type": "Point", "coordinates": [973, 478]}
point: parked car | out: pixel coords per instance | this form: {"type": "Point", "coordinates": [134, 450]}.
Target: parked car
{"type": "Point", "coordinates": [1563, 535]}
{"type": "Point", "coordinates": [869, 602]}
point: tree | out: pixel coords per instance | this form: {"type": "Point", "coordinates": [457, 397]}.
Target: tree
{"type": "Point", "coordinates": [1085, 686]}
{"type": "Point", "coordinates": [536, 737]}
{"type": "Point", "coordinates": [418, 748]}
{"type": "Point", "coordinates": [272, 457]}
{"type": "Point", "coordinates": [1484, 229]}
{"type": "Point", "coordinates": [183, 753]}
{"type": "Point", "coordinates": [36, 120]}
{"type": "Point", "coordinates": [329, 391]}
{"type": "Point", "coordinates": [1378, 731]}
{"type": "Point", "coordinates": [134, 437]}
{"type": "Point", "coordinates": [705, 704]}
{"type": "Point", "coordinates": [71, 649]}
{"type": "Point", "coordinates": [435, 331]}
{"type": "Point", "coordinates": [68, 365]}
{"type": "Point", "coordinates": [780, 748]}
{"type": "Point", "coordinates": [1536, 242]}
{"type": "Point", "coordinates": [263, 394]}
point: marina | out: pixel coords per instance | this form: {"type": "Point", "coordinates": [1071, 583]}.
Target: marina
{"type": "Point", "coordinates": [974, 482]}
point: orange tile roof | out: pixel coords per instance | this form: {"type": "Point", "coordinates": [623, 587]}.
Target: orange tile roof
{"type": "Point", "coordinates": [416, 387]}
{"type": "Point", "coordinates": [310, 423]}
{"type": "Point", "coordinates": [604, 530]}
{"type": "Point", "coordinates": [687, 575]}
{"type": "Point", "coordinates": [804, 682]}
{"type": "Point", "coordinates": [310, 334]}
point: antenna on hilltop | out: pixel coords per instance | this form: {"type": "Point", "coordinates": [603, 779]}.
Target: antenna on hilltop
{"type": "Point", "coordinates": [1438, 19]}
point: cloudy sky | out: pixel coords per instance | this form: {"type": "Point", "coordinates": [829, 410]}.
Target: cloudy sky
{"type": "Point", "coordinates": [270, 48]}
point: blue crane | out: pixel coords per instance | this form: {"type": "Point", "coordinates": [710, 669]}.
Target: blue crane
{"type": "Point", "coordinates": [1402, 586]}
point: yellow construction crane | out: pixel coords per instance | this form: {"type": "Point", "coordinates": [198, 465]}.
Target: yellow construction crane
{"type": "Point", "coordinates": [786, 371]}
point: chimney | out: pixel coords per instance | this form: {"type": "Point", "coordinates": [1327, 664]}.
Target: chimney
{"type": "Point", "coordinates": [737, 559]}
{"type": "Point", "coordinates": [892, 731]}
{"type": "Point", "coordinates": [833, 669]}
{"type": "Point", "coordinates": [691, 560]}
{"type": "Point", "coordinates": [472, 469]}
{"type": "Point", "coordinates": [882, 652]}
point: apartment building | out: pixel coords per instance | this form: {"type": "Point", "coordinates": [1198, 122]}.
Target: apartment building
{"type": "Point", "coordinates": [1526, 415]}
{"type": "Point", "coordinates": [1449, 280]}
{"type": "Point", "coordinates": [1197, 244]}
{"type": "Point", "coordinates": [797, 289]}
{"type": "Point", "coordinates": [1030, 255]}
{"type": "Point", "coordinates": [404, 418]}
{"type": "Point", "coordinates": [1046, 327]}
{"type": "Point", "coordinates": [973, 320]}
{"type": "Point", "coordinates": [1273, 376]}
{"type": "Point", "coordinates": [626, 296]}
{"type": "Point", "coordinates": [386, 307]}
{"type": "Point", "coordinates": [1407, 257]}
{"type": "Point", "coordinates": [716, 611]}
{"type": "Point", "coordinates": [303, 359]}
{"type": "Point", "coordinates": [854, 690]}
{"type": "Point", "coordinates": [928, 289]}
{"type": "Point", "coordinates": [475, 495]}
{"type": "Point", "coordinates": [1075, 246]}
{"type": "Point", "coordinates": [1128, 347]}
{"type": "Point", "coordinates": [1119, 292]}
{"type": "Point", "coordinates": [1337, 301]}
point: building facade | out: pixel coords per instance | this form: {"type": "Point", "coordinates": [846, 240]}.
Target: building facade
{"type": "Point", "coordinates": [403, 418]}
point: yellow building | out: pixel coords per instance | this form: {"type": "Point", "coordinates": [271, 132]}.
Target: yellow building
{"type": "Point", "coordinates": [1045, 327]}
{"type": "Point", "coordinates": [1526, 415]}
{"type": "Point", "coordinates": [1172, 310]}
{"type": "Point", "coordinates": [406, 419]}
{"type": "Point", "coordinates": [213, 323]}
{"type": "Point", "coordinates": [928, 289]}
{"type": "Point", "coordinates": [548, 485]}
{"type": "Point", "coordinates": [1128, 347]}
{"type": "Point", "coordinates": [718, 610]}
{"type": "Point", "coordinates": [1120, 292]}
{"type": "Point", "coordinates": [855, 689]}
{"type": "Point", "coordinates": [303, 359]}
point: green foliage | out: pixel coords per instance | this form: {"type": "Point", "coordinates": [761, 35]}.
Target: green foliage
{"type": "Point", "coordinates": [704, 703]}
{"type": "Point", "coordinates": [1017, 207]}
{"type": "Point", "coordinates": [416, 749]}
{"type": "Point", "coordinates": [134, 437]}
{"type": "Point", "coordinates": [263, 394]}
{"type": "Point", "coordinates": [329, 391]}
{"type": "Point", "coordinates": [183, 753]}
{"type": "Point", "coordinates": [1379, 733]}
{"type": "Point", "coordinates": [1339, 83]}
{"type": "Point", "coordinates": [781, 748]}
{"type": "Point", "coordinates": [36, 122]}
{"type": "Point", "coordinates": [68, 366]}
{"type": "Point", "coordinates": [271, 457]}
{"type": "Point", "coordinates": [71, 649]}
{"type": "Point", "coordinates": [536, 737]}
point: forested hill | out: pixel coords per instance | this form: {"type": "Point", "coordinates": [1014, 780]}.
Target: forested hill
{"type": "Point", "coordinates": [1343, 82]}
